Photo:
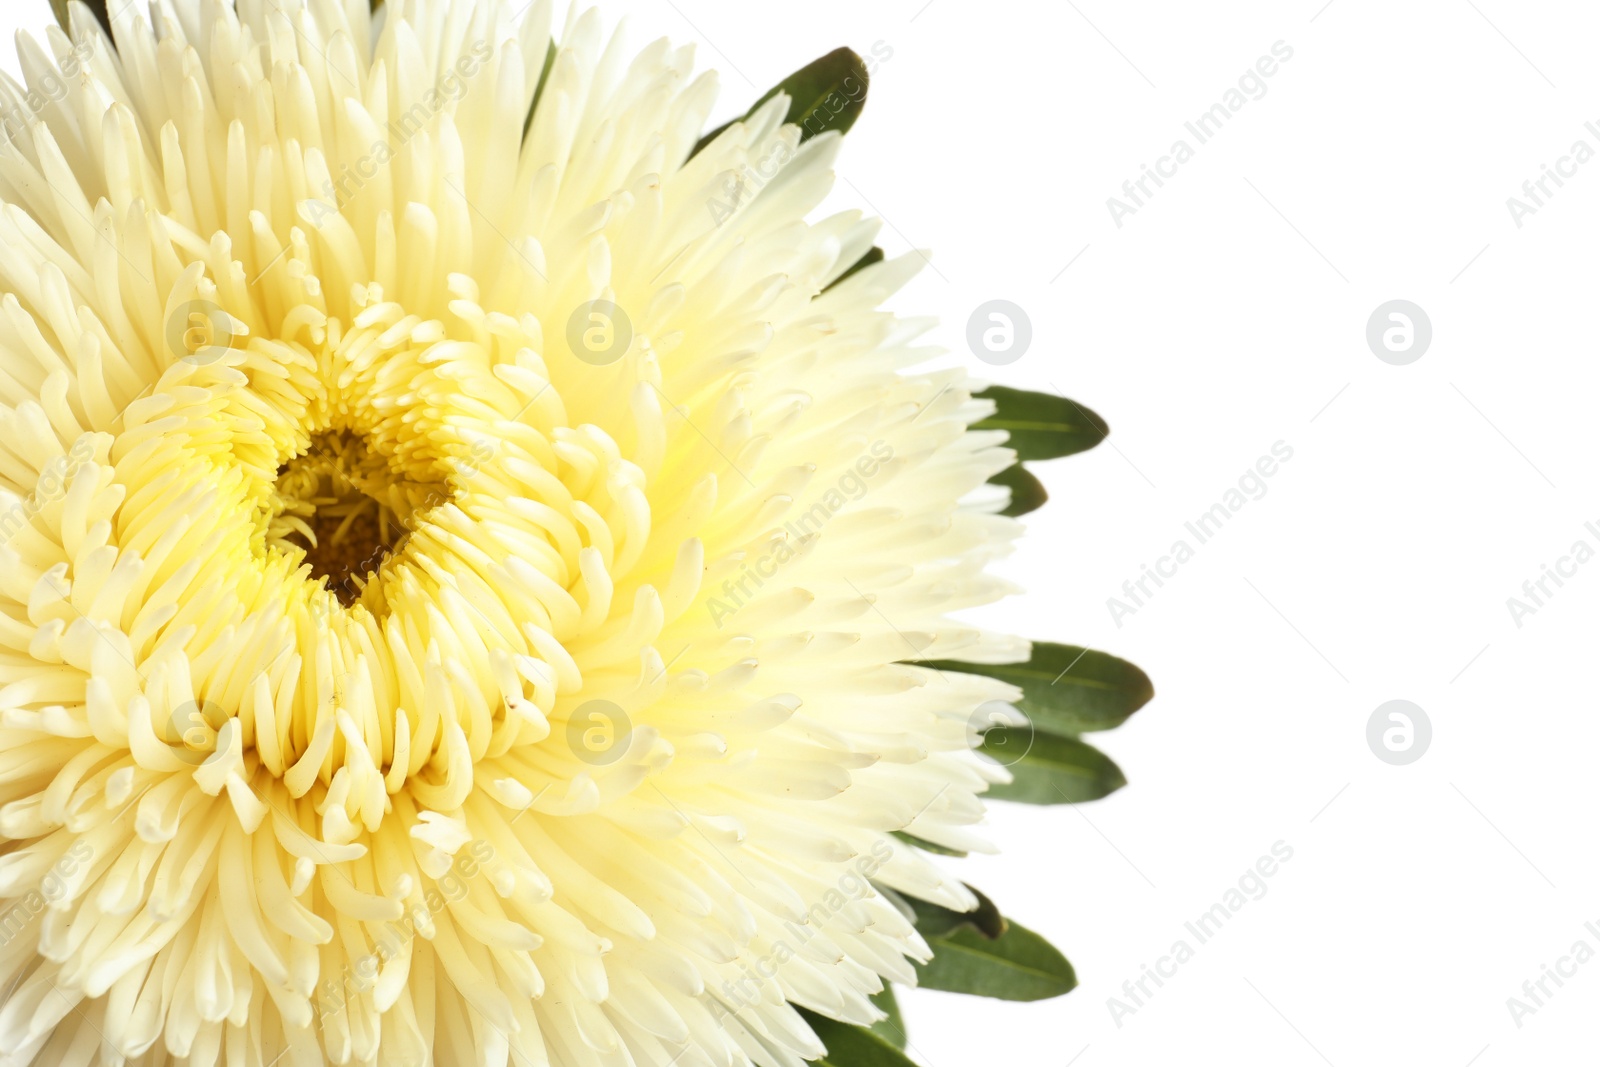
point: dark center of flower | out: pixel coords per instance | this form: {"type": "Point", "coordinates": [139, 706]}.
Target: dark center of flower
{"type": "Point", "coordinates": [344, 507]}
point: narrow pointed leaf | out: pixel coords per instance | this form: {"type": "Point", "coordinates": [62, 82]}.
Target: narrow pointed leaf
{"type": "Point", "coordinates": [853, 1046]}
{"type": "Point", "coordinates": [874, 256]}
{"type": "Point", "coordinates": [1053, 770]}
{"type": "Point", "coordinates": [96, 6]}
{"type": "Point", "coordinates": [1067, 689]}
{"type": "Point", "coordinates": [538, 90]}
{"type": "Point", "coordinates": [829, 94]}
{"type": "Point", "coordinates": [1018, 965]}
{"type": "Point", "coordinates": [892, 1029]}
{"type": "Point", "coordinates": [1043, 426]}
{"type": "Point", "coordinates": [935, 921]}
{"type": "Point", "coordinates": [1027, 492]}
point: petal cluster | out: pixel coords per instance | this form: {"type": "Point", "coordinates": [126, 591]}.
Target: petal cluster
{"type": "Point", "coordinates": [599, 758]}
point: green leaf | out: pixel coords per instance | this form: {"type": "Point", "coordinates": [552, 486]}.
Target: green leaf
{"type": "Point", "coordinates": [874, 256]}
{"type": "Point", "coordinates": [1051, 769]}
{"type": "Point", "coordinates": [1043, 426]}
{"type": "Point", "coordinates": [927, 846]}
{"type": "Point", "coordinates": [1027, 492]}
{"type": "Point", "coordinates": [852, 1046]}
{"type": "Point", "coordinates": [97, 6]}
{"type": "Point", "coordinates": [829, 94]}
{"type": "Point", "coordinates": [1018, 965]}
{"type": "Point", "coordinates": [892, 1029]}
{"type": "Point", "coordinates": [1067, 689]}
{"type": "Point", "coordinates": [984, 953]}
{"type": "Point", "coordinates": [935, 921]}
{"type": "Point", "coordinates": [538, 91]}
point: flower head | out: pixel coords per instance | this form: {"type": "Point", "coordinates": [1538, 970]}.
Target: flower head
{"type": "Point", "coordinates": [461, 568]}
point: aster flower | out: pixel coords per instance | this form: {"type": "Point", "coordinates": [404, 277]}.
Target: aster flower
{"type": "Point", "coordinates": [478, 567]}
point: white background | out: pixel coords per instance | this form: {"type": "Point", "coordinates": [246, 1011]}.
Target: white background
{"type": "Point", "coordinates": [1226, 315]}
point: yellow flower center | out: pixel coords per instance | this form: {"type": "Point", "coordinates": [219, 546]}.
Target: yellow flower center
{"type": "Point", "coordinates": [409, 541]}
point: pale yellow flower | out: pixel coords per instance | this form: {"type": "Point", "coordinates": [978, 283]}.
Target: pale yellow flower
{"type": "Point", "coordinates": [575, 738]}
